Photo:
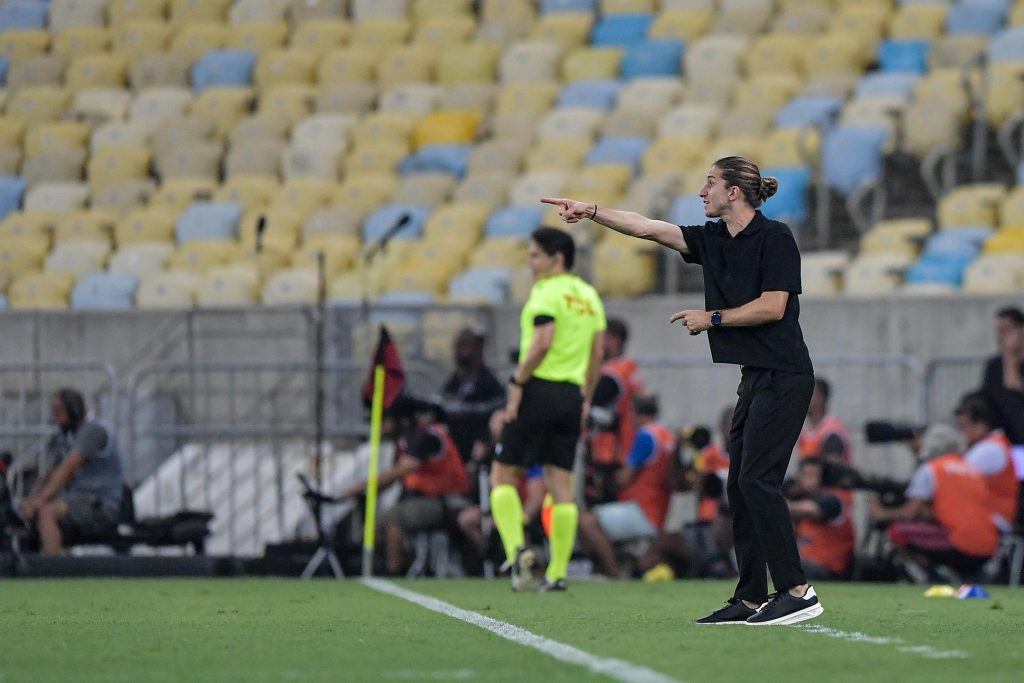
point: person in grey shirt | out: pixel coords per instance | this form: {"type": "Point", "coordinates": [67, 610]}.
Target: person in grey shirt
{"type": "Point", "coordinates": [82, 493]}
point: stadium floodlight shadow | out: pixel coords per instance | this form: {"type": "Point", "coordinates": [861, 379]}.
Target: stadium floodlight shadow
{"type": "Point", "coordinates": [315, 500]}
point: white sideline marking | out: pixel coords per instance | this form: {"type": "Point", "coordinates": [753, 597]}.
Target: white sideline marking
{"type": "Point", "coordinates": [606, 666]}
{"type": "Point", "coordinates": [926, 651]}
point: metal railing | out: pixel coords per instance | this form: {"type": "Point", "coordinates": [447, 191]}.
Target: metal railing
{"type": "Point", "coordinates": [947, 380]}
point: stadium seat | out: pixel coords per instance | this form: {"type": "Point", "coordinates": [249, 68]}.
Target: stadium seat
{"type": "Point", "coordinates": [366, 191]}
{"type": "Point", "coordinates": [569, 29]}
{"type": "Point", "coordinates": [1007, 46]}
{"type": "Point", "coordinates": [364, 10]}
{"type": "Point", "coordinates": [870, 275]}
{"type": "Point", "coordinates": [623, 268]}
{"type": "Point", "coordinates": [38, 103]}
{"type": "Point", "coordinates": [406, 64]}
{"type": "Point", "coordinates": [23, 43]}
{"type": "Point", "coordinates": [570, 122]}
{"type": "Point", "coordinates": [1006, 241]}
{"type": "Point", "coordinates": [653, 59]}
{"type": "Point", "coordinates": [939, 270]}
{"type": "Point", "coordinates": [450, 159]}
{"type": "Point", "coordinates": [199, 256]}
{"type": "Point", "coordinates": [228, 286]}
{"type": "Point", "coordinates": [12, 189]}
{"type": "Point", "coordinates": [690, 120]}
{"type": "Point", "coordinates": [514, 221]}
{"type": "Point", "coordinates": [681, 23]}
{"type": "Point", "coordinates": [334, 221]}
{"type": "Point", "coordinates": [533, 60]}
{"type": "Point", "coordinates": [340, 253]}
{"type": "Point", "coordinates": [964, 242]}
{"type": "Point", "coordinates": [821, 272]}
{"type": "Point", "coordinates": [191, 11]}
{"type": "Point", "coordinates": [976, 16]}
{"type": "Point", "coordinates": [714, 57]}
{"type": "Point", "coordinates": [789, 204]}
{"type": "Point", "coordinates": [926, 125]}
{"type": "Point", "coordinates": [592, 94]}
{"type": "Point", "coordinates": [192, 159]}
{"type": "Point", "coordinates": [621, 30]}
{"type": "Point", "coordinates": [104, 291]}
{"type": "Point", "coordinates": [137, 38]}
{"type": "Point", "coordinates": [416, 99]}
{"type": "Point", "coordinates": [484, 187]}
{"type": "Point", "coordinates": [124, 195]}
{"type": "Point", "coordinates": [357, 98]}
{"type": "Point", "coordinates": [209, 221]}
{"type": "Point", "coordinates": [59, 197]}
{"type": "Point", "coordinates": [223, 68]}
{"type": "Point", "coordinates": [257, 11]}
{"type": "Point", "coordinates": [971, 205]}
{"type": "Point", "coordinates": [278, 67]}
{"type": "Point", "coordinates": [387, 217]}
{"type": "Point", "coordinates": [319, 36]}
{"type": "Point", "coordinates": [19, 15]}
{"type": "Point", "coordinates": [591, 64]}
{"type": "Point", "coordinates": [480, 284]}
{"type": "Point", "coordinates": [82, 40]}
{"type": "Point", "coordinates": [627, 151]}
{"type": "Point", "coordinates": [530, 187]}
{"type": "Point", "coordinates": [478, 98]}
{"type": "Point", "coordinates": [852, 157]}
{"type": "Point", "coordinates": [77, 257]}
{"type": "Point", "coordinates": [446, 128]}
{"type": "Point", "coordinates": [224, 106]}
{"type": "Point", "coordinates": [291, 286]}
{"type": "Point", "coordinates": [424, 189]}
{"type": "Point", "coordinates": [88, 224]}
{"type": "Point", "coordinates": [140, 258]}
{"type": "Point", "coordinates": [459, 225]}
{"type": "Point", "coordinates": [76, 13]}
{"type": "Point", "coordinates": [36, 290]}
{"type": "Point", "coordinates": [120, 134]}
{"type": "Point", "coordinates": [994, 274]}
{"type": "Point", "coordinates": [169, 69]}
{"type": "Point", "coordinates": [173, 289]}
{"type": "Point", "coordinates": [33, 71]}
{"type": "Point", "coordinates": [918, 21]}
{"type": "Point", "coordinates": [436, 33]}
{"type": "Point", "coordinates": [904, 55]}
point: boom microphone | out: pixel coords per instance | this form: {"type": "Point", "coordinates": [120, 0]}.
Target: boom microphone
{"type": "Point", "coordinates": [404, 220]}
{"type": "Point", "coordinates": [261, 225]}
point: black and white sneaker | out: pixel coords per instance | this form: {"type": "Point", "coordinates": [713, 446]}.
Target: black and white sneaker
{"type": "Point", "coordinates": [521, 568]}
{"type": "Point", "coordinates": [556, 586]}
{"type": "Point", "coordinates": [734, 612]}
{"type": "Point", "coordinates": [784, 609]}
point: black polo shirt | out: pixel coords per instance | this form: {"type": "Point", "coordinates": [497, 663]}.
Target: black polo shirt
{"type": "Point", "coordinates": [763, 257]}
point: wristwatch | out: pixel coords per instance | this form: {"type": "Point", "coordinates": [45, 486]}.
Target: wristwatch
{"type": "Point", "coordinates": [716, 318]}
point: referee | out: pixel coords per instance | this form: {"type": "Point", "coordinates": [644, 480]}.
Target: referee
{"type": "Point", "coordinates": [549, 392]}
{"type": "Point", "coordinates": [751, 282]}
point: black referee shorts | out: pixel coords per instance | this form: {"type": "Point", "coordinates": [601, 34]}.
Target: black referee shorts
{"type": "Point", "coordinates": [547, 427]}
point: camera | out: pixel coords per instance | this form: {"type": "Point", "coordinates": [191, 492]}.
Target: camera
{"type": "Point", "coordinates": [891, 492]}
{"type": "Point", "coordinates": [883, 432]}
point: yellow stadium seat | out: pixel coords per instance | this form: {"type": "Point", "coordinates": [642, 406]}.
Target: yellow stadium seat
{"type": "Point", "coordinates": [201, 255]}
{"type": "Point", "coordinates": [406, 64]}
{"type": "Point", "coordinates": [224, 106]}
{"type": "Point", "coordinates": [122, 11]}
{"type": "Point", "coordinates": [753, 120]}
{"type": "Point", "coordinates": [515, 128]}
{"type": "Point", "coordinates": [805, 20]}
{"type": "Point", "coordinates": [304, 195]}
{"type": "Point", "coordinates": [279, 67]}
{"type": "Point", "coordinates": [20, 256]}
{"type": "Point", "coordinates": [558, 154]}
{"type": "Point", "coordinates": [256, 11]}
{"type": "Point", "coordinates": [1011, 209]}
{"type": "Point", "coordinates": [971, 205]}
{"type": "Point", "coordinates": [101, 104]}
{"type": "Point", "coordinates": [447, 128]}
{"type": "Point", "coordinates": [176, 194]}
{"type": "Point", "coordinates": [484, 187]}
{"type": "Point", "coordinates": [624, 268]}
{"type": "Point", "coordinates": [831, 53]}
{"type": "Point", "coordinates": [456, 223]}
{"type": "Point", "coordinates": [791, 147]}
{"type": "Point", "coordinates": [467, 63]}
{"type": "Point", "coordinates": [176, 131]}
{"type": "Point", "coordinates": [163, 69]}
{"type": "Point", "coordinates": [995, 274]}
{"type": "Point", "coordinates": [365, 191]}
{"type": "Point", "coordinates": [901, 237]}
{"type": "Point", "coordinates": [192, 159]}
{"type": "Point", "coordinates": [10, 160]}
{"type": "Point", "coordinates": [336, 220]}
{"type": "Point", "coordinates": [654, 95]}
{"type": "Point", "coordinates": [1007, 241]}
{"type": "Point", "coordinates": [32, 226]}
{"type": "Point", "coordinates": [301, 11]}
{"type": "Point", "coordinates": [424, 10]}
{"type": "Point", "coordinates": [90, 224]}
{"type": "Point", "coordinates": [22, 44]}
{"type": "Point", "coordinates": [353, 64]}
{"type": "Point", "coordinates": [78, 257]}
{"type": "Point", "coordinates": [1016, 17]}
{"type": "Point", "coordinates": [136, 38]}
{"type": "Point", "coordinates": [311, 161]}
{"type": "Point", "coordinates": [531, 60]}
{"type": "Point", "coordinates": [152, 224]}
{"type": "Point", "coordinates": [394, 126]}
{"type": "Point", "coordinates": [191, 11]}
{"type": "Point", "coordinates": [495, 155]}
{"type": "Point", "coordinates": [743, 23]}
{"type": "Point", "coordinates": [415, 277]}
{"type": "Point", "coordinates": [41, 290]}
{"type": "Point", "coordinates": [526, 97]}
{"type": "Point", "coordinates": [35, 71]}
{"type": "Point", "coordinates": [773, 53]}
{"type": "Point", "coordinates": [475, 97]}
{"type": "Point", "coordinates": [1004, 93]}
{"type": "Point", "coordinates": [357, 98]}
{"type": "Point", "coordinates": [291, 286]}
{"type": "Point", "coordinates": [650, 194]}
{"type": "Point", "coordinates": [57, 196]}
{"type": "Point", "coordinates": [821, 272]}
{"type": "Point", "coordinates": [956, 50]}
{"type": "Point", "coordinates": [292, 102]}
{"type": "Point", "coordinates": [602, 178]}
{"type": "Point", "coordinates": [689, 120]}
{"type": "Point", "coordinates": [196, 39]}
{"type": "Point", "coordinates": [917, 21]}
{"type": "Point", "coordinates": [172, 289]}
{"type": "Point", "coordinates": [54, 165]}
{"type": "Point", "coordinates": [111, 164]}
{"type": "Point", "coordinates": [329, 131]}
{"type": "Point", "coordinates": [943, 87]}
{"type": "Point", "coordinates": [340, 253]}
{"type": "Point", "coordinates": [380, 34]}
{"type": "Point", "coordinates": [440, 32]}
{"type": "Point", "coordinates": [259, 127]}
{"type": "Point", "coordinates": [251, 191]}
{"type": "Point", "coordinates": [80, 40]}
{"type": "Point", "coordinates": [500, 252]}
{"type": "Point", "coordinates": [749, 146]}
{"type": "Point", "coordinates": [38, 103]}
{"type": "Point", "coordinates": [354, 286]}
{"type": "Point", "coordinates": [681, 23]}
{"type": "Point", "coordinates": [590, 63]}
{"type": "Point", "coordinates": [926, 125]}
{"type": "Point", "coordinates": [141, 259]}
{"type": "Point", "coordinates": [97, 71]}
{"type": "Point", "coordinates": [321, 35]}
{"type": "Point", "coordinates": [123, 196]}
{"type": "Point", "coordinates": [254, 157]}
{"type": "Point", "coordinates": [714, 57]}
{"type": "Point", "coordinates": [768, 90]}
{"type": "Point", "coordinates": [874, 274]}
{"type": "Point", "coordinates": [56, 135]}
{"type": "Point", "coordinates": [530, 187]}
{"type": "Point", "coordinates": [71, 13]}
{"type": "Point", "coordinates": [228, 286]}
{"type": "Point", "coordinates": [380, 156]}
{"type": "Point", "coordinates": [134, 132]}
{"type": "Point", "coordinates": [425, 189]}
{"type": "Point", "coordinates": [257, 37]}
{"type": "Point", "coordinates": [570, 29]}
{"type": "Point", "coordinates": [571, 122]}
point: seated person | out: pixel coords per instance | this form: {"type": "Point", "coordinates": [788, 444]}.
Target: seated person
{"type": "Point", "coordinates": [990, 452]}
{"type": "Point", "coordinates": [645, 486]}
{"type": "Point", "coordinates": [433, 479]}
{"type": "Point", "coordinates": [948, 518]}
{"type": "Point", "coordinates": [824, 529]}
{"type": "Point", "coordinates": [81, 495]}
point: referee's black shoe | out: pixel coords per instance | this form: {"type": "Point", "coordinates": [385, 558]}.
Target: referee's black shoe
{"type": "Point", "coordinates": [734, 612]}
{"type": "Point", "coordinates": [783, 609]}
{"type": "Point", "coordinates": [556, 586]}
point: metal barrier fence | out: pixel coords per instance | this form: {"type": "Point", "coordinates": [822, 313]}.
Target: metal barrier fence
{"type": "Point", "coordinates": [26, 425]}
{"type": "Point", "coordinates": [947, 380]}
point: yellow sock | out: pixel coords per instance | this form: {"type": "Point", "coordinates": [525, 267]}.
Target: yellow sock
{"type": "Point", "coordinates": [564, 517]}
{"type": "Point", "coordinates": [507, 511]}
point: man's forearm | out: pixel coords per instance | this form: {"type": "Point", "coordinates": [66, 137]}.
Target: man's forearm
{"type": "Point", "coordinates": [760, 311]}
{"type": "Point", "coordinates": [529, 364]}
{"type": "Point", "coordinates": [625, 222]}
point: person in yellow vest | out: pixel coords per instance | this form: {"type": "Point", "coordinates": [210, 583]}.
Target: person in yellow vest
{"type": "Point", "coordinates": [562, 325]}
{"type": "Point", "coordinates": [645, 486]}
{"type": "Point", "coordinates": [823, 435]}
{"type": "Point", "coordinates": [824, 524]}
{"type": "Point", "coordinates": [948, 519]}
{"type": "Point", "coordinates": [990, 451]}
{"type": "Point", "coordinates": [433, 476]}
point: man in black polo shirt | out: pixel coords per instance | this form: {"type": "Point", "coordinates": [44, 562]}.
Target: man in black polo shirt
{"type": "Point", "coordinates": [751, 282]}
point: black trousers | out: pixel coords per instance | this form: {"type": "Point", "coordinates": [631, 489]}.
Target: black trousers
{"type": "Point", "coordinates": [769, 414]}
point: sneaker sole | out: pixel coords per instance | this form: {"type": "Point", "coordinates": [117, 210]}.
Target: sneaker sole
{"type": "Point", "coordinates": [790, 619]}
{"type": "Point", "coordinates": [721, 623]}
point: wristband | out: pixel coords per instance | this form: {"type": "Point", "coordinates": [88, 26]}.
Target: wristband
{"type": "Point", "coordinates": [593, 215]}
{"type": "Point", "coordinates": [513, 381]}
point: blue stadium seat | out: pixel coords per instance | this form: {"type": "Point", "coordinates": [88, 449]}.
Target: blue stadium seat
{"type": "Point", "coordinates": [977, 16]}
{"type": "Point", "coordinates": [514, 221]}
{"type": "Point", "coordinates": [904, 55]}
{"type": "Point", "coordinates": [209, 221]}
{"type": "Point", "coordinates": [3, 302]}
{"type": "Point", "coordinates": [552, 6]}
{"type": "Point", "coordinates": [1020, 173]}
{"type": "Point", "coordinates": [5, 65]}
{"type": "Point", "coordinates": [452, 159]}
{"type": "Point", "coordinates": [20, 15]}
{"type": "Point", "coordinates": [687, 210]}
{"type": "Point", "coordinates": [491, 284]}
{"type": "Point", "coordinates": [1007, 46]}
{"type": "Point", "coordinates": [104, 291]}
{"type": "Point", "coordinates": [789, 204]}
{"type": "Point", "coordinates": [940, 269]}
{"type": "Point", "coordinates": [621, 30]}
{"type": "Point", "coordinates": [12, 189]}
{"type": "Point", "coordinates": [223, 68]}
{"type": "Point", "coordinates": [653, 58]}
{"type": "Point", "coordinates": [801, 112]}
{"type": "Point", "coordinates": [965, 241]}
{"type": "Point", "coordinates": [593, 93]}
{"type": "Point", "coordinates": [387, 217]}
{"type": "Point", "coordinates": [852, 156]}
{"type": "Point", "coordinates": [618, 151]}
{"type": "Point", "coordinates": [888, 84]}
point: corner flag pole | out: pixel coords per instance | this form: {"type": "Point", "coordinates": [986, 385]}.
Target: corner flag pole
{"type": "Point", "coordinates": [376, 415]}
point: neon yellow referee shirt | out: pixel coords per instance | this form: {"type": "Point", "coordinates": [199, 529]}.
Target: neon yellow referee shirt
{"type": "Point", "coordinates": [578, 314]}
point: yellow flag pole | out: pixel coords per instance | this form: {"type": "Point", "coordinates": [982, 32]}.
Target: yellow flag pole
{"type": "Point", "coordinates": [376, 416]}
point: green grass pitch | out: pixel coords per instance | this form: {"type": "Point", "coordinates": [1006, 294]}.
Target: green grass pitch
{"type": "Point", "coordinates": [73, 631]}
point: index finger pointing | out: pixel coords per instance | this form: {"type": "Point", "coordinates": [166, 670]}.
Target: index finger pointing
{"type": "Point", "coordinates": [551, 200]}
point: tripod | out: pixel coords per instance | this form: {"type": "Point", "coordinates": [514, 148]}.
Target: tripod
{"type": "Point", "coordinates": [324, 539]}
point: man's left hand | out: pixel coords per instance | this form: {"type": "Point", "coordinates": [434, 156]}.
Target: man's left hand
{"type": "Point", "coordinates": [695, 321]}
